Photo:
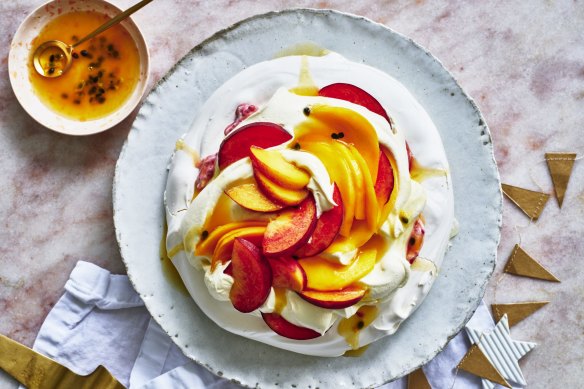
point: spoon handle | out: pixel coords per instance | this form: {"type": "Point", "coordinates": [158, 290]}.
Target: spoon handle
{"type": "Point", "coordinates": [113, 21]}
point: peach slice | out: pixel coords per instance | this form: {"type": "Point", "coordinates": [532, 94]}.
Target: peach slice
{"type": "Point", "coordinates": [355, 95]}
{"type": "Point", "coordinates": [236, 146]}
{"type": "Point", "coordinates": [324, 275]}
{"type": "Point", "coordinates": [384, 181]}
{"type": "Point", "coordinates": [278, 193]}
{"type": "Point", "coordinates": [272, 165]}
{"type": "Point", "coordinates": [387, 208]}
{"type": "Point", "coordinates": [337, 299]}
{"type": "Point", "coordinates": [250, 197]}
{"type": "Point", "coordinates": [252, 277]}
{"type": "Point", "coordinates": [326, 230]}
{"type": "Point", "coordinates": [286, 329]}
{"type": "Point", "coordinates": [287, 273]}
{"type": "Point", "coordinates": [416, 241]}
{"type": "Point", "coordinates": [290, 229]}
{"type": "Point", "coordinates": [224, 248]}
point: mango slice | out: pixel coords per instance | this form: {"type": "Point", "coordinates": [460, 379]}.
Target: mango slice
{"type": "Point", "coordinates": [324, 275]}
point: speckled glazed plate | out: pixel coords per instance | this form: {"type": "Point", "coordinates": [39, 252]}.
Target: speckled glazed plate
{"type": "Point", "coordinates": [167, 114]}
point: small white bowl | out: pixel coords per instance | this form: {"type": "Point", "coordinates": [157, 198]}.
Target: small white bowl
{"type": "Point", "coordinates": [20, 51]}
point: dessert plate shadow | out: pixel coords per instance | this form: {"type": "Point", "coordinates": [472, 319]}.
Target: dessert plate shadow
{"type": "Point", "coordinates": [167, 114]}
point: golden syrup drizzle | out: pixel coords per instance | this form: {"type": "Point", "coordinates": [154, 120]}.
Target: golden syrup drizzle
{"type": "Point", "coordinates": [181, 145]}
{"type": "Point", "coordinates": [281, 300]}
{"type": "Point", "coordinates": [420, 173]}
{"type": "Point", "coordinates": [356, 353]}
{"type": "Point", "coordinates": [307, 48]}
{"type": "Point", "coordinates": [378, 243]}
{"type": "Point", "coordinates": [168, 269]}
{"type": "Point", "coordinates": [351, 327]}
{"type": "Point", "coordinates": [221, 214]}
{"type": "Point", "coordinates": [306, 85]}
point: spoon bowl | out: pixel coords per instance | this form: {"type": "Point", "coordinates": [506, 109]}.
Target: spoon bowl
{"type": "Point", "coordinates": [52, 58]}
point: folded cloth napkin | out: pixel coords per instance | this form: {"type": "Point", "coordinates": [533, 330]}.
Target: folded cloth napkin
{"type": "Point", "coordinates": [101, 320]}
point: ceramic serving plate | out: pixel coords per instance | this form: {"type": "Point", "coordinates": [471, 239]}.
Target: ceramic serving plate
{"type": "Point", "coordinates": [167, 114]}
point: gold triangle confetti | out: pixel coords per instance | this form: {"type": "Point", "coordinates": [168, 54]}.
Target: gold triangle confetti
{"type": "Point", "coordinates": [475, 362]}
{"type": "Point", "coordinates": [528, 201]}
{"type": "Point", "coordinates": [417, 380]}
{"type": "Point", "coordinates": [560, 166]}
{"type": "Point", "coordinates": [521, 264]}
{"type": "Point", "coordinates": [517, 311]}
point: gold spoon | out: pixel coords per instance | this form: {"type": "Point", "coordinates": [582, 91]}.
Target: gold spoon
{"type": "Point", "coordinates": [53, 58]}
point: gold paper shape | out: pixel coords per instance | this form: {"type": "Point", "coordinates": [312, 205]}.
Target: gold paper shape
{"type": "Point", "coordinates": [528, 201]}
{"type": "Point", "coordinates": [560, 166]}
{"type": "Point", "coordinates": [35, 371]}
{"type": "Point", "coordinates": [521, 264]}
{"type": "Point", "coordinates": [517, 311]}
{"type": "Point", "coordinates": [475, 362]}
{"type": "Point", "coordinates": [418, 380]}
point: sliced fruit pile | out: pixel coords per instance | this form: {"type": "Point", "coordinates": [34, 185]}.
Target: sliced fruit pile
{"type": "Point", "coordinates": [287, 251]}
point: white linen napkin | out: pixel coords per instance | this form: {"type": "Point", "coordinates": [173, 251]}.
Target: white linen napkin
{"type": "Point", "coordinates": [101, 320]}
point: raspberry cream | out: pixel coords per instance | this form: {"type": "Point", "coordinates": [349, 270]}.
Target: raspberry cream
{"type": "Point", "coordinates": [389, 288]}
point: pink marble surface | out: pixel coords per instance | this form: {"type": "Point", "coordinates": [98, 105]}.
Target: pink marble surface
{"type": "Point", "coordinates": [522, 62]}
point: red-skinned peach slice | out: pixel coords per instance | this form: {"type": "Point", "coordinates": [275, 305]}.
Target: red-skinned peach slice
{"type": "Point", "coordinates": [252, 277]}
{"type": "Point", "coordinates": [286, 329]}
{"type": "Point", "coordinates": [277, 193]}
{"type": "Point", "coordinates": [236, 145]}
{"type": "Point", "coordinates": [250, 197]}
{"type": "Point", "coordinates": [291, 229]}
{"type": "Point", "coordinates": [384, 182]}
{"type": "Point", "coordinates": [410, 156]}
{"type": "Point", "coordinates": [355, 95]}
{"type": "Point", "coordinates": [287, 273]}
{"type": "Point", "coordinates": [337, 299]}
{"type": "Point", "coordinates": [271, 164]}
{"type": "Point", "coordinates": [326, 230]}
{"type": "Point", "coordinates": [416, 241]}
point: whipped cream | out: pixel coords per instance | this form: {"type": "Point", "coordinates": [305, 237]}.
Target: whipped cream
{"type": "Point", "coordinates": [393, 285]}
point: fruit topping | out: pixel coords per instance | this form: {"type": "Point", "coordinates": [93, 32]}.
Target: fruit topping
{"type": "Point", "coordinates": [355, 95]}
{"type": "Point", "coordinates": [324, 275]}
{"type": "Point", "coordinates": [384, 181]}
{"type": "Point", "coordinates": [206, 168]}
{"type": "Point", "coordinates": [291, 229]}
{"type": "Point", "coordinates": [415, 242]}
{"type": "Point", "coordinates": [272, 165]}
{"type": "Point", "coordinates": [236, 145]}
{"type": "Point", "coordinates": [326, 230]}
{"type": "Point", "coordinates": [242, 112]}
{"type": "Point", "coordinates": [337, 299]}
{"type": "Point", "coordinates": [278, 193]}
{"type": "Point", "coordinates": [287, 273]}
{"type": "Point", "coordinates": [286, 329]}
{"type": "Point", "coordinates": [252, 277]}
{"type": "Point", "coordinates": [250, 197]}
{"type": "Point", "coordinates": [224, 248]}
